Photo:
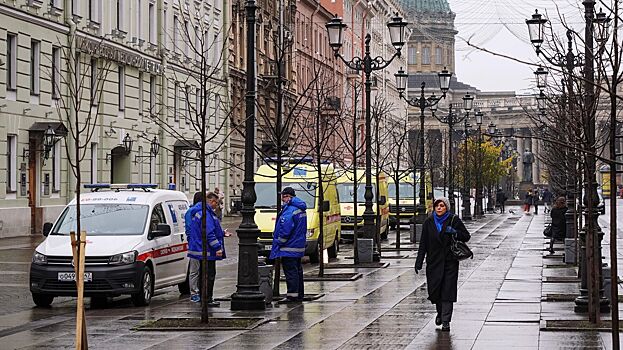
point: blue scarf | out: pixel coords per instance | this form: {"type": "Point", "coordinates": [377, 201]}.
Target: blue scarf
{"type": "Point", "coordinates": [439, 220]}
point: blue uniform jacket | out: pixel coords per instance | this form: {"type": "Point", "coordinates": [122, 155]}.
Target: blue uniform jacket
{"type": "Point", "coordinates": [290, 230]}
{"type": "Point", "coordinates": [214, 233]}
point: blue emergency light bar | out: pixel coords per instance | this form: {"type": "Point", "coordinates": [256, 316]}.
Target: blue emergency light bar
{"type": "Point", "coordinates": [97, 187]}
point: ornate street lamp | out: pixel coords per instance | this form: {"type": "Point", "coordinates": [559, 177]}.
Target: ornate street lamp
{"type": "Point", "coordinates": [602, 27]}
{"type": "Point", "coordinates": [248, 295]}
{"type": "Point", "coordinates": [154, 146]}
{"type": "Point", "coordinates": [536, 26]}
{"type": "Point", "coordinates": [451, 120]}
{"type": "Point", "coordinates": [478, 210]}
{"type": "Point", "coordinates": [541, 77]}
{"type": "Point", "coordinates": [127, 143]}
{"type": "Point", "coordinates": [592, 231]}
{"type": "Point", "coordinates": [541, 101]}
{"type": "Point", "coordinates": [368, 64]}
{"type": "Point", "coordinates": [423, 102]}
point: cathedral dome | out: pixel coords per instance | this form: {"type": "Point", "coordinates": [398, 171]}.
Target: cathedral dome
{"type": "Point", "coordinates": [426, 6]}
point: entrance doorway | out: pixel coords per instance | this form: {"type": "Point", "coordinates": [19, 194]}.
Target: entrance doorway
{"type": "Point", "coordinates": [36, 211]}
{"type": "Point", "coordinates": [120, 166]}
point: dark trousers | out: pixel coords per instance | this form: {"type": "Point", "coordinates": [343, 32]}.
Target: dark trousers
{"type": "Point", "coordinates": [293, 270]}
{"type": "Point", "coordinates": [211, 278]}
{"type": "Point", "coordinates": [444, 309]}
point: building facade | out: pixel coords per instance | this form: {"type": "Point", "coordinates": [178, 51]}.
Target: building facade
{"type": "Point", "coordinates": [132, 72]}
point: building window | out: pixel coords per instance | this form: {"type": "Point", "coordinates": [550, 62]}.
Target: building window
{"type": "Point", "coordinates": [75, 7]}
{"type": "Point", "coordinates": [56, 167]}
{"type": "Point", "coordinates": [139, 19]}
{"type": "Point", "coordinates": [188, 110]}
{"type": "Point", "coordinates": [121, 91]}
{"type": "Point", "coordinates": [198, 101]}
{"type": "Point", "coordinates": [94, 72]}
{"type": "Point", "coordinates": [92, 11]}
{"type": "Point", "coordinates": [152, 23]}
{"type": "Point", "coordinates": [140, 93]}
{"type": "Point", "coordinates": [152, 169]}
{"type": "Point", "coordinates": [426, 55]}
{"type": "Point", "coordinates": [175, 34]}
{"type": "Point", "coordinates": [412, 55]}
{"type": "Point", "coordinates": [166, 28]}
{"type": "Point", "coordinates": [57, 4]}
{"type": "Point", "coordinates": [11, 166]}
{"type": "Point", "coordinates": [187, 36]}
{"type": "Point", "coordinates": [93, 162]}
{"type": "Point", "coordinates": [152, 95]}
{"type": "Point", "coordinates": [438, 56]}
{"type": "Point", "coordinates": [11, 57]}
{"type": "Point", "coordinates": [77, 70]}
{"type": "Point", "coordinates": [56, 72]}
{"type": "Point", "coordinates": [35, 61]}
{"type": "Point", "coordinates": [176, 106]}
{"type": "Point", "coordinates": [121, 15]}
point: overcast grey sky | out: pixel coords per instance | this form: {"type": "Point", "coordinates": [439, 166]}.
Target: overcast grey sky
{"type": "Point", "coordinates": [499, 25]}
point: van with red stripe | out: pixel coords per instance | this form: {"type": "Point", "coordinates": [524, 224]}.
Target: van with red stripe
{"type": "Point", "coordinates": [302, 176]}
{"type": "Point", "coordinates": [136, 244]}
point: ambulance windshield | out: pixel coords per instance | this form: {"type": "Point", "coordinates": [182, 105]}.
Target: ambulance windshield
{"type": "Point", "coordinates": [104, 219]}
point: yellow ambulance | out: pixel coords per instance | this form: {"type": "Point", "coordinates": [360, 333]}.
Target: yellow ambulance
{"type": "Point", "coordinates": [408, 195]}
{"type": "Point", "coordinates": [409, 198]}
{"type": "Point", "coordinates": [303, 178]}
{"type": "Point", "coordinates": [346, 190]}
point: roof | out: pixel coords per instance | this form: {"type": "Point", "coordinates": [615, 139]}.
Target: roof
{"type": "Point", "coordinates": [426, 6]}
{"type": "Point", "coordinates": [346, 176]}
{"type": "Point", "coordinates": [299, 172]}
{"type": "Point", "coordinates": [126, 196]}
{"type": "Point", "coordinates": [432, 82]}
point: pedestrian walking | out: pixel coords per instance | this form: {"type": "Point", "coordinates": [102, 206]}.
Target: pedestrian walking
{"type": "Point", "coordinates": [559, 222]}
{"type": "Point", "coordinates": [289, 242]}
{"type": "Point", "coordinates": [547, 197]}
{"type": "Point", "coordinates": [536, 198]}
{"type": "Point", "coordinates": [442, 268]}
{"type": "Point", "coordinates": [527, 202]}
{"type": "Point", "coordinates": [214, 236]}
{"type": "Point", "coordinates": [221, 207]}
{"type": "Point", "coordinates": [500, 199]}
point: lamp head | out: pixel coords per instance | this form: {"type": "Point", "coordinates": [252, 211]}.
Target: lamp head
{"type": "Point", "coordinates": [335, 30]}
{"type": "Point", "coordinates": [536, 26]}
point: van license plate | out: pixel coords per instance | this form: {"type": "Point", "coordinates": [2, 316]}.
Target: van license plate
{"type": "Point", "coordinates": [268, 247]}
{"type": "Point", "coordinates": [71, 276]}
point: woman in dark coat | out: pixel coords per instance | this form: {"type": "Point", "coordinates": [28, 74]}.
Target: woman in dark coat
{"type": "Point", "coordinates": [559, 222]}
{"type": "Point", "coordinates": [442, 269]}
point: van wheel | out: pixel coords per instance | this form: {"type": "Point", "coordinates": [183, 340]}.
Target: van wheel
{"type": "Point", "coordinates": [314, 257]}
{"type": "Point", "coordinates": [143, 297]}
{"type": "Point", "coordinates": [42, 300]}
{"type": "Point", "coordinates": [335, 248]}
{"type": "Point", "coordinates": [184, 287]}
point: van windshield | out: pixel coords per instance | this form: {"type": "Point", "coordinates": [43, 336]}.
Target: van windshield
{"type": "Point", "coordinates": [406, 190]}
{"type": "Point", "coordinates": [346, 191]}
{"type": "Point", "coordinates": [104, 219]}
{"type": "Point", "coordinates": [267, 193]}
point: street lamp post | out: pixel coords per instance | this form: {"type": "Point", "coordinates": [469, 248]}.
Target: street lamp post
{"type": "Point", "coordinates": [467, 203]}
{"type": "Point", "coordinates": [478, 209]}
{"type": "Point", "coordinates": [591, 235]}
{"type": "Point", "coordinates": [451, 120]}
{"type": "Point", "coordinates": [422, 102]}
{"type": "Point", "coordinates": [248, 295]}
{"type": "Point", "coordinates": [367, 64]}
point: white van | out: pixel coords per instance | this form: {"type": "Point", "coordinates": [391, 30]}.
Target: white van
{"type": "Point", "coordinates": [135, 244]}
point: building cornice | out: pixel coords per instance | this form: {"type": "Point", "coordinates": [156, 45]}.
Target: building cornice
{"type": "Point", "coordinates": [33, 19]}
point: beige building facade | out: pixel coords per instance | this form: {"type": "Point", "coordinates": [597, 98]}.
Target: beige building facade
{"type": "Point", "coordinates": [132, 71]}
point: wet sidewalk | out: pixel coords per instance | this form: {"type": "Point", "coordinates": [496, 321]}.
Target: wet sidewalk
{"type": "Point", "coordinates": [502, 305]}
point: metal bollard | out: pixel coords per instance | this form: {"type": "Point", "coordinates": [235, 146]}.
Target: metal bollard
{"type": "Point", "coordinates": [266, 280]}
{"type": "Point", "coordinates": [365, 248]}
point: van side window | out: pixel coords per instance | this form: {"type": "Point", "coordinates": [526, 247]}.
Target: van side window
{"type": "Point", "coordinates": [157, 217]}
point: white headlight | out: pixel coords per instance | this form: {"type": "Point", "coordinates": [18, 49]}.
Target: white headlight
{"type": "Point", "coordinates": [123, 259]}
{"type": "Point", "coordinates": [39, 259]}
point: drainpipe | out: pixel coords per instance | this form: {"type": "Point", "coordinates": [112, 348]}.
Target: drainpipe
{"type": "Point", "coordinates": [227, 25]}
{"type": "Point", "coordinates": [163, 156]}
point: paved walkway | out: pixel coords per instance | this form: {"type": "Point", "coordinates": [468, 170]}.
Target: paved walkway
{"type": "Point", "coordinates": [500, 306]}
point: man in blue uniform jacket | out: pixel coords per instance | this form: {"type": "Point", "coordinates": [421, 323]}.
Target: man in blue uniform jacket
{"type": "Point", "coordinates": [216, 245]}
{"type": "Point", "coordinates": [289, 242]}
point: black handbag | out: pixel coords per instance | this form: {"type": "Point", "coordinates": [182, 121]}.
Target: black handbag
{"type": "Point", "coordinates": [548, 231]}
{"type": "Point", "coordinates": [459, 249]}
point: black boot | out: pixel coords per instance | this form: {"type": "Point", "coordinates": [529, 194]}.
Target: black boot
{"type": "Point", "coordinates": [445, 327]}
{"type": "Point", "coordinates": [438, 320]}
